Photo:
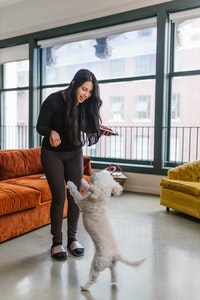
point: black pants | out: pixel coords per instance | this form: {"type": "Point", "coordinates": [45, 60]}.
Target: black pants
{"type": "Point", "coordinates": [59, 167]}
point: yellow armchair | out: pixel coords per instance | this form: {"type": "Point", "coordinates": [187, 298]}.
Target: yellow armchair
{"type": "Point", "coordinates": [180, 190]}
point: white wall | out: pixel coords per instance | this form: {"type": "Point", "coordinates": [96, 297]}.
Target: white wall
{"type": "Point", "coordinates": [143, 183]}
{"type": "Point", "coordinates": [35, 15]}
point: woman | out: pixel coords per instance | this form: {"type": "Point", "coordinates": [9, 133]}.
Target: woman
{"type": "Point", "coordinates": [68, 119]}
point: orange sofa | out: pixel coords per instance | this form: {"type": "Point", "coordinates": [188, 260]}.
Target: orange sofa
{"type": "Point", "coordinates": [25, 197]}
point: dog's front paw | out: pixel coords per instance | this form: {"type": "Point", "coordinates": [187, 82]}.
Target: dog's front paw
{"type": "Point", "coordinates": [70, 185]}
{"type": "Point", "coordinates": [85, 184]}
{"type": "Point", "coordinates": [84, 288]}
{"type": "Point", "coordinates": [74, 193]}
{"type": "Point", "coordinates": [72, 188]}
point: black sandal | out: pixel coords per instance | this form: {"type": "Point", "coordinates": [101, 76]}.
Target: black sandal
{"type": "Point", "coordinates": [58, 252]}
{"type": "Point", "coordinates": [75, 248]}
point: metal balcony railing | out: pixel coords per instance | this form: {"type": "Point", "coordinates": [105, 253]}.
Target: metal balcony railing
{"type": "Point", "coordinates": [133, 144]}
{"type": "Point", "coordinates": [136, 143]}
{"type": "Point", "coordinates": [14, 137]}
{"type": "Point", "coordinates": [184, 144]}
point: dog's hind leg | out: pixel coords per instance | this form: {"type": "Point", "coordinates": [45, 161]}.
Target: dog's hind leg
{"type": "Point", "coordinates": [92, 278]}
{"type": "Point", "coordinates": [113, 272]}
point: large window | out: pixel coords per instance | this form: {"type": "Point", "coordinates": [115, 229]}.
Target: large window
{"type": "Point", "coordinates": [184, 133]}
{"type": "Point", "coordinates": [15, 98]}
{"type": "Point", "coordinates": [118, 59]}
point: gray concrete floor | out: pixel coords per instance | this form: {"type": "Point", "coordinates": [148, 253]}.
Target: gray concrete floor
{"type": "Point", "coordinates": [169, 241]}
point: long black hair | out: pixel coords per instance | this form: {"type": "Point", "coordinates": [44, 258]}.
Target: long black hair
{"type": "Point", "coordinates": [83, 120]}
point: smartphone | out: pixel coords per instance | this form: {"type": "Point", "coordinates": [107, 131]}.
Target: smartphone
{"type": "Point", "coordinates": [109, 130]}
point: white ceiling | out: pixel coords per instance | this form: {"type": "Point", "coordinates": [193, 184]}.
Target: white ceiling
{"type": "Point", "coordinates": [5, 3]}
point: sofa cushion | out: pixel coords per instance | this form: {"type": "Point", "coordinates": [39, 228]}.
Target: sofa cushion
{"type": "Point", "coordinates": [187, 187]}
{"type": "Point", "coordinates": [185, 203]}
{"type": "Point", "coordinates": [15, 198]}
{"type": "Point", "coordinates": [35, 182]}
{"type": "Point", "coordinates": [21, 162]}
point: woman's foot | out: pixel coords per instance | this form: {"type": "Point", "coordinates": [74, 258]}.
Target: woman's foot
{"type": "Point", "coordinates": [75, 247]}
{"type": "Point", "coordinates": [58, 252]}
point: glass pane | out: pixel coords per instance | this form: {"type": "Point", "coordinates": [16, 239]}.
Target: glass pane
{"type": "Point", "coordinates": [187, 45]}
{"type": "Point", "coordinates": [120, 103]}
{"type": "Point", "coordinates": [47, 92]}
{"type": "Point", "coordinates": [16, 74]}
{"type": "Point", "coordinates": [122, 55]}
{"type": "Point", "coordinates": [185, 132]}
{"type": "Point", "coordinates": [14, 119]}
{"type": "Point", "coordinates": [136, 135]}
{"type": "Point", "coordinates": [185, 98]}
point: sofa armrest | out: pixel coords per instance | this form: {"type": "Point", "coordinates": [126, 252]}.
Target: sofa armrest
{"type": "Point", "coordinates": [186, 172]}
{"type": "Point", "coordinates": [87, 166]}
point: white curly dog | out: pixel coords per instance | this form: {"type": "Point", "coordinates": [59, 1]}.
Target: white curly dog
{"type": "Point", "coordinates": [96, 222]}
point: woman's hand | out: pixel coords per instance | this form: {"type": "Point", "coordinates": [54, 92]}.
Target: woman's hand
{"type": "Point", "coordinates": [105, 130]}
{"type": "Point", "coordinates": [54, 139]}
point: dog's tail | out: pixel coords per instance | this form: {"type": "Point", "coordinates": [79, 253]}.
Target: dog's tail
{"type": "Point", "coordinates": [134, 263]}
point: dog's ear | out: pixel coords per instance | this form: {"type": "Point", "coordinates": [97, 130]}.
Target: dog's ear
{"type": "Point", "coordinates": [117, 189]}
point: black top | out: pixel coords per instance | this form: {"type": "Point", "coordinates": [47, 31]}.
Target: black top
{"type": "Point", "coordinates": [52, 117]}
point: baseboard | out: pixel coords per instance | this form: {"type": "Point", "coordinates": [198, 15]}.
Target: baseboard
{"type": "Point", "coordinates": [142, 183]}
